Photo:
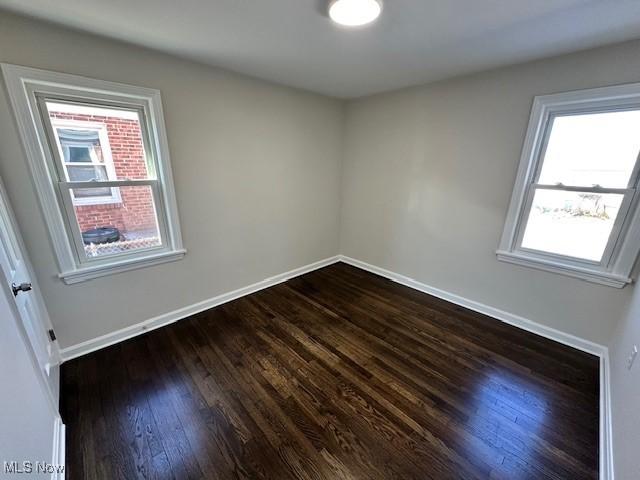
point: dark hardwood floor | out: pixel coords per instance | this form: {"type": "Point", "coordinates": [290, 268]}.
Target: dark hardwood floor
{"type": "Point", "coordinates": [338, 374]}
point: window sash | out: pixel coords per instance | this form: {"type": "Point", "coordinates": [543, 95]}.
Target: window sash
{"type": "Point", "coordinates": [629, 195]}
{"type": "Point", "coordinates": [577, 188]}
{"type": "Point", "coordinates": [65, 191]}
{"type": "Point", "coordinates": [65, 187]}
{"type": "Point", "coordinates": [144, 116]}
{"type": "Point", "coordinates": [548, 121]}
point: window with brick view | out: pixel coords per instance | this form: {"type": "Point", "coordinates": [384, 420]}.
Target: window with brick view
{"type": "Point", "coordinates": [100, 144]}
{"type": "Point", "coordinates": [99, 156]}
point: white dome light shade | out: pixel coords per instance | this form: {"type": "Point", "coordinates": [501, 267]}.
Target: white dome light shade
{"type": "Point", "coordinates": [353, 13]}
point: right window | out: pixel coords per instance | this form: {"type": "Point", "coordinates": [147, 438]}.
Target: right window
{"type": "Point", "coordinates": [573, 209]}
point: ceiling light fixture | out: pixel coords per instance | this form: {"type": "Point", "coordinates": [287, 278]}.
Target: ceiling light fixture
{"type": "Point", "coordinates": [353, 13]}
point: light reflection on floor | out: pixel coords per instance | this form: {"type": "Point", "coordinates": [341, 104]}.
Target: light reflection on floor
{"type": "Point", "coordinates": [501, 399]}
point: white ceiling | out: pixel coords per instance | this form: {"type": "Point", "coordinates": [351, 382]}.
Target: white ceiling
{"type": "Point", "coordinates": [294, 43]}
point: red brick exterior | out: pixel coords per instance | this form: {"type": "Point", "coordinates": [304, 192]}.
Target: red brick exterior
{"type": "Point", "coordinates": [135, 212]}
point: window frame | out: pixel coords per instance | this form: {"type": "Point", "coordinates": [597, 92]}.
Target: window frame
{"type": "Point", "coordinates": [27, 88]}
{"type": "Point", "coordinates": [101, 130]}
{"type": "Point", "coordinates": [623, 247]}
{"type": "Point", "coordinates": [64, 186]}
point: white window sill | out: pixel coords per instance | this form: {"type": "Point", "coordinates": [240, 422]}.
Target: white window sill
{"type": "Point", "coordinates": [583, 273]}
{"type": "Point", "coordinates": [95, 271]}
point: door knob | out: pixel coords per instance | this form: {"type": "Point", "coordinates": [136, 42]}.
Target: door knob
{"type": "Point", "coordinates": [23, 287]}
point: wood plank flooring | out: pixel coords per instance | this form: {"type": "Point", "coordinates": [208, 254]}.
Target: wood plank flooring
{"type": "Point", "coordinates": [338, 374]}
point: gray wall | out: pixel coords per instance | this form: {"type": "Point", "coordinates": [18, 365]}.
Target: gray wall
{"type": "Point", "coordinates": [427, 178]}
{"type": "Point", "coordinates": [256, 170]}
{"type": "Point", "coordinates": [625, 393]}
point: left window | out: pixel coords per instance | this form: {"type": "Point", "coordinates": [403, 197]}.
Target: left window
{"type": "Point", "coordinates": [100, 162]}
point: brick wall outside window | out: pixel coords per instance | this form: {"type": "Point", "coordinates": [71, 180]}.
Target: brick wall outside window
{"type": "Point", "coordinates": [135, 213]}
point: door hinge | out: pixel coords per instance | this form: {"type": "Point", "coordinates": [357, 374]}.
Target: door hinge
{"type": "Point", "coordinates": [52, 335]}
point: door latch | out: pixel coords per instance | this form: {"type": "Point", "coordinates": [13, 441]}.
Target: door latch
{"type": "Point", "coordinates": [23, 287]}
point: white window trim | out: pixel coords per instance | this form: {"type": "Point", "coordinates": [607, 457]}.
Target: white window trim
{"type": "Point", "coordinates": [21, 83]}
{"type": "Point", "coordinates": [616, 270]}
{"type": "Point", "coordinates": [101, 129]}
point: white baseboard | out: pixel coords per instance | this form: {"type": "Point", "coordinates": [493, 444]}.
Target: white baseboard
{"type": "Point", "coordinates": [606, 452]}
{"type": "Point", "coordinates": [606, 432]}
{"type": "Point", "coordinates": [58, 455]}
{"type": "Point", "coordinates": [165, 319]}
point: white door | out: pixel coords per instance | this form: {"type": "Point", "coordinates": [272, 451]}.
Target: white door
{"type": "Point", "coordinates": [16, 277]}
{"type": "Point", "coordinates": [31, 432]}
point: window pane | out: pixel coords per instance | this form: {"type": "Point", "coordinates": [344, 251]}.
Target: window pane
{"type": "Point", "coordinates": [93, 193]}
{"type": "Point", "coordinates": [119, 227]}
{"type": "Point", "coordinates": [592, 149]}
{"type": "Point", "coordinates": [571, 223]}
{"type": "Point", "coordinates": [78, 154]}
{"type": "Point", "coordinates": [87, 173]}
{"type": "Point", "coordinates": [80, 145]}
{"type": "Point", "coordinates": [101, 135]}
